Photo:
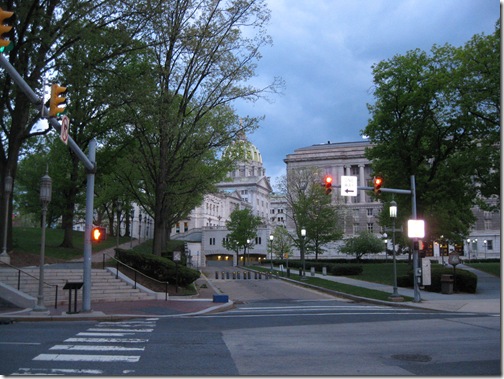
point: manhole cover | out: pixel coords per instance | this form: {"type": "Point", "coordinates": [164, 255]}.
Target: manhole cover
{"type": "Point", "coordinates": [412, 357]}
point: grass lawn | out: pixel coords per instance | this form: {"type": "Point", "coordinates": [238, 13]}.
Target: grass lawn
{"type": "Point", "coordinates": [492, 268]}
{"type": "Point", "coordinates": [27, 240]}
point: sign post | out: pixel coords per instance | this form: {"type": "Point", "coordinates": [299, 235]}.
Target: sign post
{"type": "Point", "coordinates": [65, 126]}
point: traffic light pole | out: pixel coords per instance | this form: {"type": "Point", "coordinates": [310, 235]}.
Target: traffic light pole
{"type": "Point", "coordinates": [90, 165]}
{"type": "Point", "coordinates": [412, 192]}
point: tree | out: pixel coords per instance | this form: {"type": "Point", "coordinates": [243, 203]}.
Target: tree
{"type": "Point", "coordinates": [282, 242]}
{"type": "Point", "coordinates": [242, 225]}
{"type": "Point", "coordinates": [364, 243]}
{"type": "Point", "coordinates": [308, 206]}
{"type": "Point", "coordinates": [43, 34]}
{"type": "Point", "coordinates": [204, 53]}
{"type": "Point", "coordinates": [430, 119]}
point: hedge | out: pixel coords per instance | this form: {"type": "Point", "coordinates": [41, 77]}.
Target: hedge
{"type": "Point", "coordinates": [159, 268]}
{"type": "Point", "coordinates": [464, 281]}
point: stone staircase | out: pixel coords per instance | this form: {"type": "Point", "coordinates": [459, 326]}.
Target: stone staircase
{"type": "Point", "coordinates": [104, 285]}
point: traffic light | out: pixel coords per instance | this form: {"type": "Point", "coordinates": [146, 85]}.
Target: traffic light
{"type": "Point", "coordinates": [328, 184]}
{"type": "Point", "coordinates": [57, 100]}
{"type": "Point", "coordinates": [4, 28]}
{"type": "Point", "coordinates": [98, 234]}
{"type": "Point", "coordinates": [377, 183]}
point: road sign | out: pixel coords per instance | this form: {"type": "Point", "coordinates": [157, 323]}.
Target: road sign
{"type": "Point", "coordinates": [348, 186]}
{"type": "Point", "coordinates": [65, 126]}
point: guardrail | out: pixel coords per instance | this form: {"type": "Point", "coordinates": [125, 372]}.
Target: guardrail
{"type": "Point", "coordinates": [19, 271]}
{"type": "Point", "coordinates": [135, 272]}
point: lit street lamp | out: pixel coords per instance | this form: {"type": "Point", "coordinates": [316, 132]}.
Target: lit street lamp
{"type": "Point", "coordinates": [271, 250]}
{"type": "Point", "coordinates": [303, 236]}
{"type": "Point", "coordinates": [45, 199]}
{"type": "Point", "coordinates": [416, 230]}
{"type": "Point", "coordinates": [393, 216]}
{"type": "Point", "coordinates": [4, 257]}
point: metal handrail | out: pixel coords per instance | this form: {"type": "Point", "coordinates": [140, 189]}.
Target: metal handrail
{"type": "Point", "coordinates": [135, 273]}
{"type": "Point", "coordinates": [34, 277]}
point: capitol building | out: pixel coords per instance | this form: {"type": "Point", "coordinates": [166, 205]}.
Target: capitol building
{"type": "Point", "coordinates": [247, 186]}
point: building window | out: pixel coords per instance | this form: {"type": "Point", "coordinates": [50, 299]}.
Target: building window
{"type": "Point", "coordinates": [488, 224]}
{"type": "Point", "coordinates": [355, 228]}
{"type": "Point", "coordinates": [177, 228]}
{"type": "Point", "coordinates": [370, 227]}
{"type": "Point", "coordinates": [272, 211]}
{"type": "Point", "coordinates": [186, 226]}
{"type": "Point", "coordinates": [258, 240]}
{"type": "Point", "coordinates": [370, 212]}
{"type": "Point", "coordinates": [489, 244]}
{"type": "Point", "coordinates": [212, 241]}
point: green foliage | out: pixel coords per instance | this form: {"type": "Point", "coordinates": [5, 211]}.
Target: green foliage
{"type": "Point", "coordinates": [159, 268]}
{"type": "Point", "coordinates": [364, 243]}
{"type": "Point", "coordinates": [282, 242]}
{"type": "Point", "coordinates": [242, 225]}
{"type": "Point", "coordinates": [436, 116]}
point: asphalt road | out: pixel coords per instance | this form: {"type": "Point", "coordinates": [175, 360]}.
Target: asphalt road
{"type": "Point", "coordinates": [275, 329]}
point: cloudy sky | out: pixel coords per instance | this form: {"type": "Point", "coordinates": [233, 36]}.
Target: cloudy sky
{"type": "Point", "coordinates": [324, 50]}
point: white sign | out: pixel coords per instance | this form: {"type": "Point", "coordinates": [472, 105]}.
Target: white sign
{"type": "Point", "coordinates": [426, 272]}
{"type": "Point", "coordinates": [348, 186]}
{"type": "Point", "coordinates": [65, 125]}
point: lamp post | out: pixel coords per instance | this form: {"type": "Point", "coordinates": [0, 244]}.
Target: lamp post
{"type": "Point", "coordinates": [271, 251]}
{"type": "Point", "coordinates": [248, 251]}
{"type": "Point", "coordinates": [118, 209]}
{"type": "Point", "coordinates": [468, 248]}
{"type": "Point", "coordinates": [385, 240]}
{"type": "Point", "coordinates": [4, 257]}
{"type": "Point", "coordinates": [303, 236]}
{"type": "Point", "coordinates": [485, 245]}
{"type": "Point", "coordinates": [45, 198]}
{"type": "Point", "coordinates": [393, 216]}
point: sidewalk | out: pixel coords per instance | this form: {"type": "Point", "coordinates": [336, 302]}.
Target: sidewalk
{"type": "Point", "coordinates": [486, 300]}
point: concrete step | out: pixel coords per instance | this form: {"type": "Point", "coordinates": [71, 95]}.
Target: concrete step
{"type": "Point", "coordinates": [104, 285]}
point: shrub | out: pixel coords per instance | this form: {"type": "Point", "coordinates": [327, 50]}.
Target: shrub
{"type": "Point", "coordinates": [156, 267]}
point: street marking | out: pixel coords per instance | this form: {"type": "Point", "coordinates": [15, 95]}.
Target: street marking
{"type": "Point", "coordinates": [19, 343]}
{"type": "Point", "coordinates": [120, 330]}
{"type": "Point", "coordinates": [86, 358]}
{"type": "Point", "coordinates": [107, 340]}
{"type": "Point", "coordinates": [96, 348]}
{"type": "Point", "coordinates": [56, 371]}
{"type": "Point", "coordinates": [89, 334]}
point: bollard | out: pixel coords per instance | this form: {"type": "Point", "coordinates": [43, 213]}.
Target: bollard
{"type": "Point", "coordinates": [260, 276]}
{"type": "Point", "coordinates": [324, 271]}
{"type": "Point", "coordinates": [238, 275]}
{"type": "Point", "coordinates": [234, 275]}
{"type": "Point", "coordinates": [244, 275]}
{"type": "Point", "coordinates": [222, 275]}
{"type": "Point", "coordinates": [312, 271]}
{"type": "Point", "coordinates": [255, 275]}
{"type": "Point", "coordinates": [227, 274]}
{"type": "Point", "coordinates": [216, 274]}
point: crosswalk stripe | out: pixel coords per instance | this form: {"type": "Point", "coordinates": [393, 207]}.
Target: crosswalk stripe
{"type": "Point", "coordinates": [96, 348]}
{"type": "Point", "coordinates": [56, 371]}
{"type": "Point", "coordinates": [107, 340]}
{"type": "Point", "coordinates": [120, 330]}
{"type": "Point", "coordinates": [105, 334]}
{"type": "Point", "coordinates": [86, 358]}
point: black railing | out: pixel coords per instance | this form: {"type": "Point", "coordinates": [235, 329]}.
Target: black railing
{"type": "Point", "coordinates": [20, 271]}
{"type": "Point", "coordinates": [135, 273]}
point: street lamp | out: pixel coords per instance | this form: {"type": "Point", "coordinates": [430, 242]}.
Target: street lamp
{"type": "Point", "coordinates": [271, 250]}
{"type": "Point", "coordinates": [4, 257]}
{"type": "Point", "coordinates": [385, 240]}
{"type": "Point", "coordinates": [485, 244]}
{"type": "Point", "coordinates": [45, 199]}
{"type": "Point", "coordinates": [468, 248]}
{"type": "Point", "coordinates": [118, 209]}
{"type": "Point", "coordinates": [248, 251]}
{"type": "Point", "coordinates": [393, 216]}
{"type": "Point", "coordinates": [303, 236]}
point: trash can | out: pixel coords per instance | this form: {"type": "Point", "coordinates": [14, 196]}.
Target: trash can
{"type": "Point", "coordinates": [447, 284]}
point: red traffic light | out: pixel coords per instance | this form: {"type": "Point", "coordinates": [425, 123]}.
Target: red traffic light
{"type": "Point", "coordinates": [328, 184]}
{"type": "Point", "coordinates": [377, 183]}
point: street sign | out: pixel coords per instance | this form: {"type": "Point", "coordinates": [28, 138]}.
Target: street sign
{"type": "Point", "coordinates": [65, 126]}
{"type": "Point", "coordinates": [348, 186]}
